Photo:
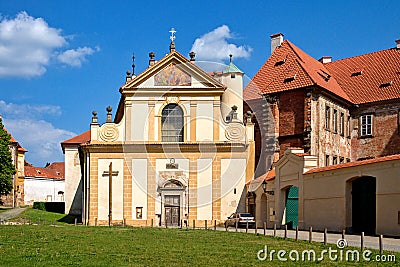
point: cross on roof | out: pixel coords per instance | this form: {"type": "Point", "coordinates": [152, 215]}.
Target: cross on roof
{"type": "Point", "coordinates": [172, 37]}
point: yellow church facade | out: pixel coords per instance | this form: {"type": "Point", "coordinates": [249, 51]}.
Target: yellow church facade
{"type": "Point", "coordinates": [177, 150]}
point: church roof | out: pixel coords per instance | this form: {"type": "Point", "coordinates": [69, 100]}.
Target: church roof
{"type": "Point", "coordinates": [210, 85]}
{"type": "Point", "coordinates": [77, 140]}
{"type": "Point", "coordinates": [361, 79]}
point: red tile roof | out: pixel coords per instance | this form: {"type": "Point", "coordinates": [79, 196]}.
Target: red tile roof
{"type": "Point", "coordinates": [354, 163]}
{"type": "Point", "coordinates": [55, 170]}
{"type": "Point", "coordinates": [361, 79]}
{"type": "Point", "coordinates": [289, 68]}
{"type": "Point", "coordinates": [268, 176]}
{"type": "Point", "coordinates": [79, 139]}
{"type": "Point", "coordinates": [12, 140]}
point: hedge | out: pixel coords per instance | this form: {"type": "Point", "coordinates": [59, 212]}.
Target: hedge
{"type": "Point", "coordinates": [58, 207]}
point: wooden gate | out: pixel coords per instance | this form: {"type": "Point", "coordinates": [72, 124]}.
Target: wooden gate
{"type": "Point", "coordinates": [292, 207]}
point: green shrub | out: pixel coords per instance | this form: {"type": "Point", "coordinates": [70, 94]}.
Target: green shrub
{"type": "Point", "coordinates": [58, 207]}
{"type": "Point", "coordinates": [39, 205]}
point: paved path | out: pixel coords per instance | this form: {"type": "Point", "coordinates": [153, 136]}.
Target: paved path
{"type": "Point", "coordinates": [389, 244]}
{"type": "Point", "coordinates": [9, 214]}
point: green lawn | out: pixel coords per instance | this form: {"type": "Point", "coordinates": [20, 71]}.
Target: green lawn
{"type": "Point", "coordinates": [43, 217]}
{"type": "Point", "coordinates": [63, 245]}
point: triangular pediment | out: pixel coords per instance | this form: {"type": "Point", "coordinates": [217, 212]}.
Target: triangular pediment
{"type": "Point", "coordinates": [174, 71]}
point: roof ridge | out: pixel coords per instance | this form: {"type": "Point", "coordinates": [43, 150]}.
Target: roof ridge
{"type": "Point", "coordinates": [358, 56]}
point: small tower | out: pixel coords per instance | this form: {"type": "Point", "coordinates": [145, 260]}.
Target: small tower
{"type": "Point", "coordinates": [232, 77]}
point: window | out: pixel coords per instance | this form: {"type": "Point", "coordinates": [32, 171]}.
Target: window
{"type": "Point", "coordinates": [327, 117]}
{"type": "Point", "coordinates": [139, 213]}
{"type": "Point", "coordinates": [334, 160]}
{"type": "Point", "coordinates": [366, 125]}
{"type": "Point", "coordinates": [326, 160]}
{"type": "Point", "coordinates": [348, 126]}
{"type": "Point", "coordinates": [341, 124]}
{"type": "Point", "coordinates": [335, 121]}
{"type": "Point", "coordinates": [341, 160]}
{"type": "Point", "coordinates": [172, 124]}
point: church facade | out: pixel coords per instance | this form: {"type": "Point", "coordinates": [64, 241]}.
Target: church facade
{"type": "Point", "coordinates": [177, 149]}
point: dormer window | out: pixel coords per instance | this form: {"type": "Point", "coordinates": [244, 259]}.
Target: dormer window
{"type": "Point", "coordinates": [290, 77]}
{"type": "Point", "coordinates": [356, 72]}
{"type": "Point", "coordinates": [281, 61]}
{"type": "Point", "coordinates": [326, 76]}
{"type": "Point", "coordinates": [386, 83]}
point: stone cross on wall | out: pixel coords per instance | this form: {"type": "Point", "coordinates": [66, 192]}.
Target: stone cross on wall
{"type": "Point", "coordinates": [110, 173]}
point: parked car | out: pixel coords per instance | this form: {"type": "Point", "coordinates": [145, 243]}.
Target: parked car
{"type": "Point", "coordinates": [241, 218]}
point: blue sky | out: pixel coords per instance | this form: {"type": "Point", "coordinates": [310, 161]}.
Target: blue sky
{"type": "Point", "coordinates": [59, 60]}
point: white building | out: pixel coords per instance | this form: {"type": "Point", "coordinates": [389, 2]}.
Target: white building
{"type": "Point", "coordinates": [44, 184]}
{"type": "Point", "coordinates": [177, 149]}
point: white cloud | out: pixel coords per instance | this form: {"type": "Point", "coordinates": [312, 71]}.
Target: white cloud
{"type": "Point", "coordinates": [75, 57]}
{"type": "Point", "coordinates": [214, 46]}
{"type": "Point", "coordinates": [28, 45]}
{"type": "Point", "coordinates": [39, 137]}
{"type": "Point", "coordinates": [12, 110]}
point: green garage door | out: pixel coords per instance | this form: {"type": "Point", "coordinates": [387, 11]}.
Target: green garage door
{"type": "Point", "coordinates": [292, 207]}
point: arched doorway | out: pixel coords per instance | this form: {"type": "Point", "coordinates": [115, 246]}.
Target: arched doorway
{"type": "Point", "coordinates": [172, 204]}
{"type": "Point", "coordinates": [292, 207]}
{"type": "Point", "coordinates": [363, 199]}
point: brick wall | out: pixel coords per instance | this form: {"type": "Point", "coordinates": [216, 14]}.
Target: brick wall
{"type": "Point", "coordinates": [385, 139]}
{"type": "Point", "coordinates": [291, 113]}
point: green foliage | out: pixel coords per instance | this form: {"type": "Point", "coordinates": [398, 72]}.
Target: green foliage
{"type": "Point", "coordinates": [39, 205]}
{"type": "Point", "coordinates": [50, 206]}
{"type": "Point", "coordinates": [7, 169]}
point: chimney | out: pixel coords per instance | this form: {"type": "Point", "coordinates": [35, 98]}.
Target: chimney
{"type": "Point", "coordinates": [398, 43]}
{"type": "Point", "coordinates": [325, 59]}
{"type": "Point", "coordinates": [276, 40]}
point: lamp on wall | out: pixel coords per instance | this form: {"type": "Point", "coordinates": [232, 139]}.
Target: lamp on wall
{"type": "Point", "coordinates": [264, 186]}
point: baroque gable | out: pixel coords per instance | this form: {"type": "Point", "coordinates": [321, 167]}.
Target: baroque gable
{"type": "Point", "coordinates": [173, 73]}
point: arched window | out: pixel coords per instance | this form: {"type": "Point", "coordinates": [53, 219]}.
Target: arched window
{"type": "Point", "coordinates": [172, 124]}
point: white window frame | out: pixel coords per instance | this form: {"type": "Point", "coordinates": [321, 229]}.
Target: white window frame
{"type": "Point", "coordinates": [366, 123]}
{"type": "Point", "coordinates": [341, 123]}
{"type": "Point", "coordinates": [335, 120]}
{"type": "Point", "coordinates": [327, 117]}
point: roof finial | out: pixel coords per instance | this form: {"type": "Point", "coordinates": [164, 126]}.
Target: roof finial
{"type": "Point", "coordinates": [230, 58]}
{"type": "Point", "coordinates": [133, 64]}
{"type": "Point", "coordinates": [172, 38]}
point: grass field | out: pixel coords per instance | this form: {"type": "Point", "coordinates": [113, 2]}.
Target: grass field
{"type": "Point", "coordinates": [68, 245]}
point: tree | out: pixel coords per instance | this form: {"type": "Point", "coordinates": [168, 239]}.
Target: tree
{"type": "Point", "coordinates": [7, 169]}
